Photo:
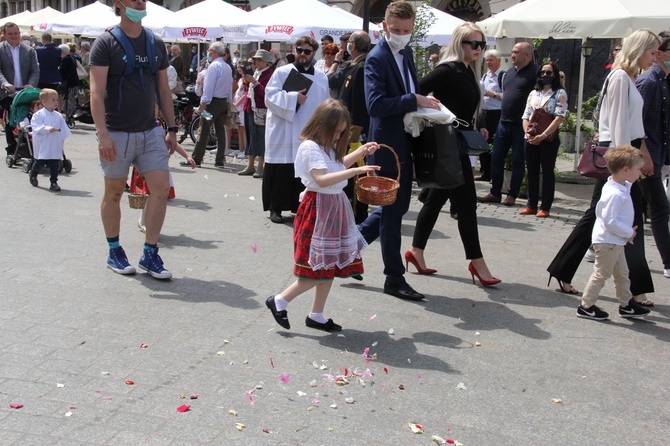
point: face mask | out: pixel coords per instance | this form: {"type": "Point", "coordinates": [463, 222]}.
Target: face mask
{"type": "Point", "coordinates": [546, 80]}
{"type": "Point", "coordinates": [134, 15]}
{"type": "Point", "coordinates": [399, 42]}
{"type": "Point", "coordinates": [209, 58]}
{"type": "Point", "coordinates": [26, 42]}
{"type": "Point", "coordinates": [350, 48]}
{"type": "Point", "coordinates": [667, 63]}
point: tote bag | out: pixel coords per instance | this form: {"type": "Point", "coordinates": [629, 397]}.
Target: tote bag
{"type": "Point", "coordinates": [437, 162]}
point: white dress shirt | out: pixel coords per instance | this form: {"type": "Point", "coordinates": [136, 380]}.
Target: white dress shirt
{"type": "Point", "coordinates": [614, 214]}
{"type": "Point", "coordinates": [17, 81]}
{"type": "Point", "coordinates": [490, 82]}
{"type": "Point", "coordinates": [218, 81]}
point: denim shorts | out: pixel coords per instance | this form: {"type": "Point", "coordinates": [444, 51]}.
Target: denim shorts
{"type": "Point", "coordinates": [144, 150]}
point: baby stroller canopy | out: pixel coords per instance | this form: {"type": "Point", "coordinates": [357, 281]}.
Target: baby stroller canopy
{"type": "Point", "coordinates": [21, 105]}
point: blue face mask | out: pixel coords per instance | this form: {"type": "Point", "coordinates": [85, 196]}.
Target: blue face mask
{"type": "Point", "coordinates": [134, 15]}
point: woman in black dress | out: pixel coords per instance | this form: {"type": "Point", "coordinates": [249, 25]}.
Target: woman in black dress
{"type": "Point", "coordinates": [455, 82]}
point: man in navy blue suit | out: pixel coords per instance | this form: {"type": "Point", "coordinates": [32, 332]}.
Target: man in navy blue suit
{"type": "Point", "coordinates": [390, 90]}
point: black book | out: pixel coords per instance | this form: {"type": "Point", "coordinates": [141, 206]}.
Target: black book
{"type": "Point", "coordinates": [296, 82]}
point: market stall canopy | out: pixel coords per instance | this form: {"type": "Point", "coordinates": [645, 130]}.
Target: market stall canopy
{"type": "Point", "coordinates": [43, 15]}
{"type": "Point", "coordinates": [207, 20]}
{"type": "Point", "coordinates": [575, 19]}
{"type": "Point", "coordinates": [17, 18]}
{"type": "Point", "coordinates": [94, 19]}
{"type": "Point", "coordinates": [288, 20]}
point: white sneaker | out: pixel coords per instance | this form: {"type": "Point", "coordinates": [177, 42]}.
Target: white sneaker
{"type": "Point", "coordinates": [590, 256]}
{"type": "Point", "coordinates": [141, 226]}
{"type": "Point", "coordinates": [241, 156]}
{"type": "Point", "coordinates": [666, 273]}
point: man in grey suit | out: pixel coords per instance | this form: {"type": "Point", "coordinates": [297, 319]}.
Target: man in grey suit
{"type": "Point", "coordinates": [18, 69]}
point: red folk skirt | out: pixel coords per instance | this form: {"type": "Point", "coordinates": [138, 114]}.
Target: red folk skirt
{"type": "Point", "coordinates": [139, 186]}
{"type": "Point", "coordinates": [303, 228]}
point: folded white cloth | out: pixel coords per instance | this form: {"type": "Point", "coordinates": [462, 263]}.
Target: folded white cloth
{"type": "Point", "coordinates": [416, 121]}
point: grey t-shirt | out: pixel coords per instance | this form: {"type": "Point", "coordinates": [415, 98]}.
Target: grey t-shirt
{"type": "Point", "coordinates": [137, 103]}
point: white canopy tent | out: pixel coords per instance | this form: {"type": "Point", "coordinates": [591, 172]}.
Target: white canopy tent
{"type": "Point", "coordinates": [578, 19]}
{"type": "Point", "coordinates": [94, 19]}
{"type": "Point", "coordinates": [17, 18]}
{"type": "Point", "coordinates": [287, 20]}
{"type": "Point", "coordinates": [207, 20]}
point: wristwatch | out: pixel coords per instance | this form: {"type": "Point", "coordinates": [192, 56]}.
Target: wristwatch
{"type": "Point", "coordinates": [174, 129]}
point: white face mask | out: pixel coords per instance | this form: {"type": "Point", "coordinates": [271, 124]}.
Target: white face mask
{"type": "Point", "coordinates": [397, 41]}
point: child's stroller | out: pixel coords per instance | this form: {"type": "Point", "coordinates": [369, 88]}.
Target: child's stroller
{"type": "Point", "coordinates": [24, 146]}
{"type": "Point", "coordinates": [82, 114]}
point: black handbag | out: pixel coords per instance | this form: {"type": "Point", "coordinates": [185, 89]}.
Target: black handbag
{"type": "Point", "coordinates": [437, 162]}
{"type": "Point", "coordinates": [472, 143]}
{"type": "Point", "coordinates": [592, 163]}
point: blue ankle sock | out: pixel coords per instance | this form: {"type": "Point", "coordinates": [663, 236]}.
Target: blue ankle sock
{"type": "Point", "coordinates": [113, 242]}
{"type": "Point", "coordinates": [150, 248]}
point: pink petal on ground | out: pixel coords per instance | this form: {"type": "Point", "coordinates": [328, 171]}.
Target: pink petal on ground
{"type": "Point", "coordinates": [373, 317]}
{"type": "Point", "coordinates": [254, 247]}
{"type": "Point", "coordinates": [419, 376]}
{"type": "Point", "coordinates": [15, 405]}
{"type": "Point", "coordinates": [366, 351]}
{"type": "Point", "coordinates": [183, 408]}
{"type": "Point", "coordinates": [285, 377]}
{"type": "Point", "coordinates": [272, 363]}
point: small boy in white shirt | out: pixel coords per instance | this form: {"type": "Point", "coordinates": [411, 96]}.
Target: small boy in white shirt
{"type": "Point", "coordinates": [612, 230]}
{"type": "Point", "coordinates": [49, 133]}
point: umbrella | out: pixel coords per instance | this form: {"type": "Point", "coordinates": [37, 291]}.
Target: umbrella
{"type": "Point", "coordinates": [288, 20]}
{"type": "Point", "coordinates": [94, 19]}
{"type": "Point", "coordinates": [207, 20]}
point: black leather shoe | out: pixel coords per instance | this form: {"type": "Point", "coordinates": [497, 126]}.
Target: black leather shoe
{"type": "Point", "coordinates": [357, 277]}
{"type": "Point", "coordinates": [275, 217]}
{"type": "Point", "coordinates": [187, 164]}
{"type": "Point", "coordinates": [403, 291]}
{"type": "Point", "coordinates": [328, 326]}
{"type": "Point", "coordinates": [280, 316]}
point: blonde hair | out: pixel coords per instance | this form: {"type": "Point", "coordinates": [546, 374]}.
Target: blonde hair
{"type": "Point", "coordinates": [632, 49]}
{"type": "Point", "coordinates": [46, 92]}
{"type": "Point", "coordinates": [322, 127]}
{"type": "Point", "coordinates": [453, 52]}
{"type": "Point", "coordinates": [622, 156]}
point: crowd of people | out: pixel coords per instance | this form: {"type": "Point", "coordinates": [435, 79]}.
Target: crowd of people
{"type": "Point", "coordinates": [298, 141]}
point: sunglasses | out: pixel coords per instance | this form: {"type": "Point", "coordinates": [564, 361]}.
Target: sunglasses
{"type": "Point", "coordinates": [304, 51]}
{"type": "Point", "coordinates": [475, 44]}
{"type": "Point", "coordinates": [546, 72]}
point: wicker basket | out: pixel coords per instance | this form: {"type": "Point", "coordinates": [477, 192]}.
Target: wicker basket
{"type": "Point", "coordinates": [376, 190]}
{"type": "Point", "coordinates": [137, 201]}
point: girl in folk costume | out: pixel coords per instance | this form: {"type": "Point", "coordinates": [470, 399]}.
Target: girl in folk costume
{"type": "Point", "coordinates": [327, 243]}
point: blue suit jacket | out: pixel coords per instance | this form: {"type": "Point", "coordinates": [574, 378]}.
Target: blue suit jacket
{"type": "Point", "coordinates": [48, 57]}
{"type": "Point", "coordinates": [387, 104]}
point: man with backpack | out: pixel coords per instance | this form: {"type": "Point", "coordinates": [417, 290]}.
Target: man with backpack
{"type": "Point", "coordinates": [128, 73]}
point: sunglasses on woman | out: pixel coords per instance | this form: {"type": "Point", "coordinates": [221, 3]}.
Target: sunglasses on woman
{"type": "Point", "coordinates": [475, 44]}
{"type": "Point", "coordinates": [305, 51]}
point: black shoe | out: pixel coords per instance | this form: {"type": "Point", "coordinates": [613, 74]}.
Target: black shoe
{"type": "Point", "coordinates": [592, 312]}
{"type": "Point", "coordinates": [275, 217]}
{"type": "Point", "coordinates": [402, 291]}
{"type": "Point", "coordinates": [454, 215]}
{"type": "Point", "coordinates": [219, 165]}
{"type": "Point", "coordinates": [483, 178]}
{"type": "Point", "coordinates": [33, 181]}
{"type": "Point", "coordinates": [329, 325]}
{"type": "Point", "coordinates": [633, 309]}
{"type": "Point", "coordinates": [280, 316]}
{"type": "Point", "coordinates": [187, 164]}
{"type": "Point", "coordinates": [54, 187]}
{"type": "Point", "coordinates": [357, 277]}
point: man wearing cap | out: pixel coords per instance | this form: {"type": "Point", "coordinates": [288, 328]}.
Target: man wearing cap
{"type": "Point", "coordinates": [216, 92]}
{"type": "Point", "coordinates": [288, 112]}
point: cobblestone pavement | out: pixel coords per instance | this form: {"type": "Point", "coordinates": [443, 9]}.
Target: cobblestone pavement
{"type": "Point", "coordinates": [508, 365]}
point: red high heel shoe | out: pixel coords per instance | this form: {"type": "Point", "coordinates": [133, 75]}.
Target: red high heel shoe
{"type": "Point", "coordinates": [473, 272]}
{"type": "Point", "coordinates": [409, 258]}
